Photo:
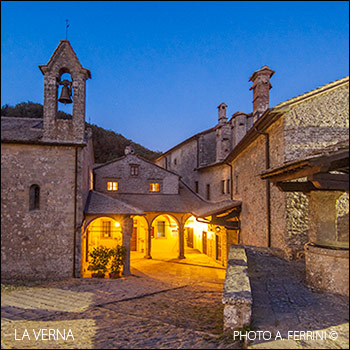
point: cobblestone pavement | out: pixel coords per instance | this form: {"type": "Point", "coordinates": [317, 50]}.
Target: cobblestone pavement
{"type": "Point", "coordinates": [282, 302]}
{"type": "Point", "coordinates": [174, 304]}
{"type": "Point", "coordinates": [169, 304]}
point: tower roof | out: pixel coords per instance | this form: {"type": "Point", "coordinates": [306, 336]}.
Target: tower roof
{"type": "Point", "coordinates": [69, 57]}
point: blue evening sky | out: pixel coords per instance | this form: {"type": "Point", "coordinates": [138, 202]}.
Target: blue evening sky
{"type": "Point", "coordinates": [160, 69]}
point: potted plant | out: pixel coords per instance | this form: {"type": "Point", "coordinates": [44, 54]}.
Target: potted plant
{"type": "Point", "coordinates": [99, 260]}
{"type": "Point", "coordinates": [118, 255]}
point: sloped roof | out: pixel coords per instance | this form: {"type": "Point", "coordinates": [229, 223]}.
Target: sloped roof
{"type": "Point", "coordinates": [186, 201]}
{"type": "Point", "coordinates": [313, 92]}
{"type": "Point", "coordinates": [21, 129]}
{"type": "Point", "coordinates": [99, 203]}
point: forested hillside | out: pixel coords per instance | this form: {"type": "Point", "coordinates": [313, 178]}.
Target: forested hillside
{"type": "Point", "coordinates": [107, 144]}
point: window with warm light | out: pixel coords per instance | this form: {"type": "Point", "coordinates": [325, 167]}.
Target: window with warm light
{"type": "Point", "coordinates": [154, 187]}
{"type": "Point", "coordinates": [106, 229]}
{"type": "Point", "coordinates": [112, 186]}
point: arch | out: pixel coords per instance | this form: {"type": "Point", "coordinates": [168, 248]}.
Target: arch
{"type": "Point", "coordinates": [34, 197]}
{"type": "Point", "coordinates": [165, 232]}
{"type": "Point", "coordinates": [196, 234]}
{"type": "Point", "coordinates": [101, 230]}
{"type": "Point", "coordinates": [138, 240]}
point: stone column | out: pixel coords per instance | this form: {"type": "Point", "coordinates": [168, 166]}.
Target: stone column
{"type": "Point", "coordinates": [327, 254]}
{"type": "Point", "coordinates": [181, 242]}
{"type": "Point", "coordinates": [148, 243]}
{"type": "Point", "coordinates": [127, 227]}
{"type": "Point", "coordinates": [323, 218]}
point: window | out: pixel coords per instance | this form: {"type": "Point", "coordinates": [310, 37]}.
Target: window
{"type": "Point", "coordinates": [196, 185]}
{"type": "Point", "coordinates": [227, 186]}
{"type": "Point", "coordinates": [223, 186]}
{"type": "Point", "coordinates": [161, 229]}
{"type": "Point", "coordinates": [154, 187]}
{"type": "Point", "coordinates": [236, 178]}
{"type": "Point", "coordinates": [112, 186]}
{"type": "Point", "coordinates": [175, 161]}
{"type": "Point", "coordinates": [208, 191]}
{"type": "Point", "coordinates": [134, 169]}
{"type": "Point", "coordinates": [106, 229]}
{"type": "Point", "coordinates": [34, 197]}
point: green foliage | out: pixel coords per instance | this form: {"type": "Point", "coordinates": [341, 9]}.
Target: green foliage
{"type": "Point", "coordinates": [118, 255]}
{"type": "Point", "coordinates": [107, 144]}
{"type": "Point", "coordinates": [99, 259]}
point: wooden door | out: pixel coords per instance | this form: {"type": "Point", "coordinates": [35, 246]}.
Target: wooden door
{"type": "Point", "coordinates": [190, 237]}
{"type": "Point", "coordinates": [133, 240]}
{"type": "Point", "coordinates": [204, 242]}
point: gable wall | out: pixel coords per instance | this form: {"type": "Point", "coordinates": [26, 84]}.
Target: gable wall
{"type": "Point", "coordinates": [120, 171]}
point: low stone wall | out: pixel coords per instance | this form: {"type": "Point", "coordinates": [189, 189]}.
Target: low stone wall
{"type": "Point", "coordinates": [327, 269]}
{"type": "Point", "coordinates": [236, 296]}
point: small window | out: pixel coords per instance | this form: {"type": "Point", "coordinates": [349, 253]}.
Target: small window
{"type": "Point", "coordinates": [112, 186]}
{"type": "Point", "coordinates": [134, 169]}
{"type": "Point", "coordinates": [106, 229]}
{"type": "Point", "coordinates": [34, 197]}
{"type": "Point", "coordinates": [161, 229]}
{"type": "Point", "coordinates": [154, 187]}
{"type": "Point", "coordinates": [223, 186]}
{"type": "Point", "coordinates": [227, 186]}
{"type": "Point", "coordinates": [208, 191]}
{"type": "Point", "coordinates": [196, 185]}
{"type": "Point", "coordinates": [236, 178]}
{"type": "Point", "coordinates": [175, 161]}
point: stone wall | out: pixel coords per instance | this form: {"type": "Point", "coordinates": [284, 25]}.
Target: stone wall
{"type": "Point", "coordinates": [214, 177]}
{"type": "Point", "coordinates": [119, 171]}
{"type": "Point", "coordinates": [317, 122]}
{"type": "Point", "coordinates": [37, 244]}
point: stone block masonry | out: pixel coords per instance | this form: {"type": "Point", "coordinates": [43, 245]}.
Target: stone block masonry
{"type": "Point", "coordinates": [236, 296]}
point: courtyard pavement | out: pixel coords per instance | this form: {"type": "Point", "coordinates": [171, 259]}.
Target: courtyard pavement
{"type": "Point", "coordinates": [166, 304]}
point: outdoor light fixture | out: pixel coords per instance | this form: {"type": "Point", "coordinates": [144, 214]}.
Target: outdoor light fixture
{"type": "Point", "coordinates": [217, 229]}
{"type": "Point", "coordinates": [117, 224]}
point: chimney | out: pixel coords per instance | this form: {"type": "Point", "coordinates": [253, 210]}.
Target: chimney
{"type": "Point", "coordinates": [261, 87]}
{"type": "Point", "coordinates": [222, 113]}
{"type": "Point", "coordinates": [239, 127]}
{"type": "Point", "coordinates": [129, 149]}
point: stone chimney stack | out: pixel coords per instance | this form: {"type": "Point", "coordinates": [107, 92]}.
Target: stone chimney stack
{"type": "Point", "coordinates": [261, 87]}
{"type": "Point", "coordinates": [222, 113]}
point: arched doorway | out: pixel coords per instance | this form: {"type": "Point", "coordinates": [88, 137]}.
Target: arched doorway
{"type": "Point", "coordinates": [196, 235]}
{"type": "Point", "coordinates": [165, 237]}
{"type": "Point", "coordinates": [102, 231]}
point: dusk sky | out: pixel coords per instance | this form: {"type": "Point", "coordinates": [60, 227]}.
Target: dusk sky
{"type": "Point", "coordinates": [160, 69]}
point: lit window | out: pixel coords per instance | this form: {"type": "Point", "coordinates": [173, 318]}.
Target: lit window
{"type": "Point", "coordinates": [112, 186]}
{"type": "Point", "coordinates": [134, 170]}
{"type": "Point", "coordinates": [154, 187]}
{"type": "Point", "coordinates": [34, 197]}
{"type": "Point", "coordinates": [106, 229]}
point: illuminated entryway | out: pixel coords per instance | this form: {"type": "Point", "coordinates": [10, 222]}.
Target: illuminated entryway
{"type": "Point", "coordinates": [165, 237]}
{"type": "Point", "coordinates": [103, 231]}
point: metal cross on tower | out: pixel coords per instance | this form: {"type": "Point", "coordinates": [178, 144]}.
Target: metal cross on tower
{"type": "Point", "coordinates": [67, 25]}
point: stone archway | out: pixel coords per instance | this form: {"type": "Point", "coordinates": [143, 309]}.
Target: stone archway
{"type": "Point", "coordinates": [105, 231]}
{"type": "Point", "coordinates": [165, 231]}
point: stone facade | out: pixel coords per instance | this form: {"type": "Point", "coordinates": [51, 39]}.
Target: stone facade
{"type": "Point", "coordinates": [54, 155]}
{"type": "Point", "coordinates": [261, 140]}
{"type": "Point", "coordinates": [121, 171]}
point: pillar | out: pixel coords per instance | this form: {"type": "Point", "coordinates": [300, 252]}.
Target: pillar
{"type": "Point", "coordinates": [127, 228]}
{"type": "Point", "coordinates": [148, 243]}
{"type": "Point", "coordinates": [181, 241]}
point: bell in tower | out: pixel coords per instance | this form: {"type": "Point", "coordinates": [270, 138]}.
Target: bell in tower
{"type": "Point", "coordinates": [66, 92]}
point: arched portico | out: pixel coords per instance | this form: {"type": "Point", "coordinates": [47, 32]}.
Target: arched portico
{"type": "Point", "coordinates": [108, 231]}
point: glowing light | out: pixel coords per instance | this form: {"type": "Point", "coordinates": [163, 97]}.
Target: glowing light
{"type": "Point", "coordinates": [117, 224]}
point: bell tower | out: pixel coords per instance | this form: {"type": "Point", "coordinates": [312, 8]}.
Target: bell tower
{"type": "Point", "coordinates": [64, 60]}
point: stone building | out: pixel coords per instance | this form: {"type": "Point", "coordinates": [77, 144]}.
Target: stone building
{"type": "Point", "coordinates": [45, 179]}
{"type": "Point", "coordinates": [226, 161]}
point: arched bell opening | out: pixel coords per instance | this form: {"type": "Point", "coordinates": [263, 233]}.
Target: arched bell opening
{"type": "Point", "coordinates": [165, 237]}
{"type": "Point", "coordinates": [64, 95]}
{"type": "Point", "coordinates": [102, 231]}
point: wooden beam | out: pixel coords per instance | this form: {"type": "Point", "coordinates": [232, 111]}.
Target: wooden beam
{"type": "Point", "coordinates": [304, 172]}
{"type": "Point", "coordinates": [326, 181]}
{"type": "Point", "coordinates": [304, 186]}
